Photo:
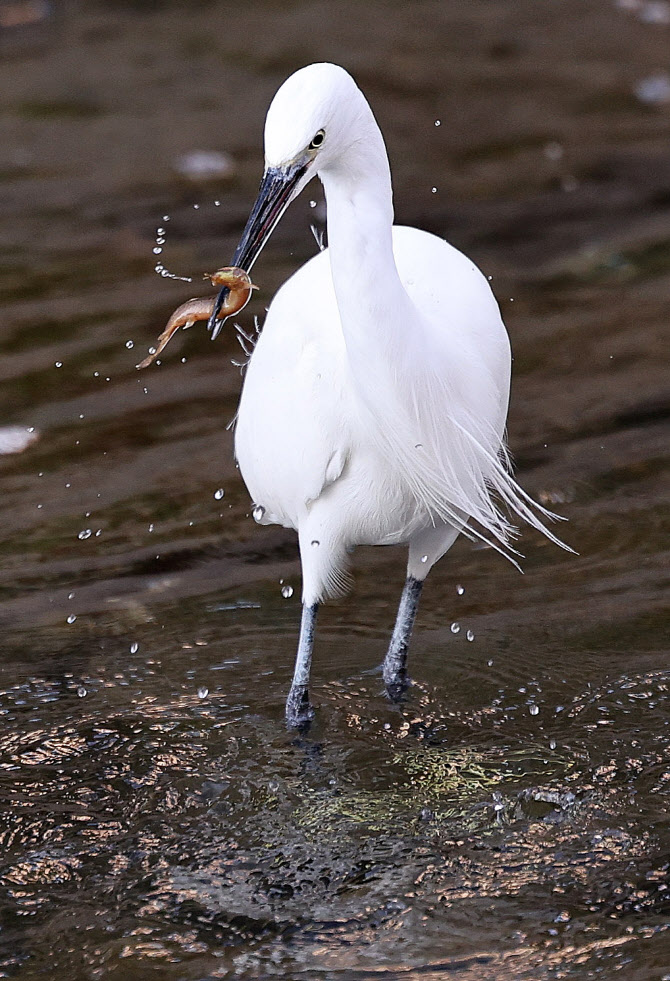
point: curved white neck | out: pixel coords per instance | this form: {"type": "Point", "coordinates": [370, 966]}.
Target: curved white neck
{"type": "Point", "coordinates": [370, 295]}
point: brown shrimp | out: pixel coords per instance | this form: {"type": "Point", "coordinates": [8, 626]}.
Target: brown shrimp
{"type": "Point", "coordinates": [201, 308]}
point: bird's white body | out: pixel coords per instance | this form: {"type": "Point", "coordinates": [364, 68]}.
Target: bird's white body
{"type": "Point", "coordinates": [374, 405]}
{"type": "Point", "coordinates": [307, 443]}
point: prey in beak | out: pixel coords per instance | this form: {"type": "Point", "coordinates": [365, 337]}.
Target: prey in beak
{"type": "Point", "coordinates": [278, 188]}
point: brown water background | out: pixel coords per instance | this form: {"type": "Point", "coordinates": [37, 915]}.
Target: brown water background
{"type": "Point", "coordinates": [510, 820]}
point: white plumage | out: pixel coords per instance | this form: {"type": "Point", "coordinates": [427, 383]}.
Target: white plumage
{"type": "Point", "coordinates": [374, 405]}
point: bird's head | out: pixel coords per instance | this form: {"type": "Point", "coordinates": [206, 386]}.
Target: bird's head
{"type": "Point", "coordinates": [312, 121]}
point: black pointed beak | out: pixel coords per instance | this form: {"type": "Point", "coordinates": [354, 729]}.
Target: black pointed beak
{"type": "Point", "coordinates": [274, 196]}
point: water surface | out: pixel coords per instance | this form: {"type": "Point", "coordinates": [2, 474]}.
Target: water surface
{"type": "Point", "coordinates": [510, 818]}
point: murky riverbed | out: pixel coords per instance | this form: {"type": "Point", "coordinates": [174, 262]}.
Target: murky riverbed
{"type": "Point", "coordinates": [510, 820]}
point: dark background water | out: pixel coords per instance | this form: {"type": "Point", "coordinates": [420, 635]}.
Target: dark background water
{"type": "Point", "coordinates": [511, 818]}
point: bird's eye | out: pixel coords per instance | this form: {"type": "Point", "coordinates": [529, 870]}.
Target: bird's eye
{"type": "Point", "coordinates": [317, 139]}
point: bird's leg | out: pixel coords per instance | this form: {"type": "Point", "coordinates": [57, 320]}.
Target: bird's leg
{"type": "Point", "coordinates": [394, 669]}
{"type": "Point", "coordinates": [299, 712]}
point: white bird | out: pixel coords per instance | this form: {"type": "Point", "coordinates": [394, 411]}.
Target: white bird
{"type": "Point", "coordinates": [374, 404]}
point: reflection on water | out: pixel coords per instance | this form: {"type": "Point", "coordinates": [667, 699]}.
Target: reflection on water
{"type": "Point", "coordinates": [510, 818]}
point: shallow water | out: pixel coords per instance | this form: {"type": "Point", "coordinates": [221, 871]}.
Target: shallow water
{"type": "Point", "coordinates": [510, 818]}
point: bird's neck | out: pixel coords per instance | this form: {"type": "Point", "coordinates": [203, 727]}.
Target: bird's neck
{"type": "Point", "coordinates": [370, 296]}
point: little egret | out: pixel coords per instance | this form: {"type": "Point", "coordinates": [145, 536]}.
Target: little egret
{"type": "Point", "coordinates": [374, 404]}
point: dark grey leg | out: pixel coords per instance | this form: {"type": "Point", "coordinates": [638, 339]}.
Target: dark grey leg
{"type": "Point", "coordinates": [299, 712]}
{"type": "Point", "coordinates": [394, 669]}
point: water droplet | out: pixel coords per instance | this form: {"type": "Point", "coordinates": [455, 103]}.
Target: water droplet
{"type": "Point", "coordinates": [438, 122]}
{"type": "Point", "coordinates": [130, 344]}
{"type": "Point", "coordinates": [157, 250]}
{"type": "Point", "coordinates": [470, 635]}
{"type": "Point", "coordinates": [418, 446]}
{"type": "Point", "coordinates": [196, 207]}
{"type": "Point", "coordinates": [258, 512]}
{"type": "Point", "coordinates": [217, 204]}
{"type": "Point", "coordinates": [534, 709]}
{"type": "Point", "coordinates": [203, 692]}
{"type": "Point", "coordinates": [134, 647]}
{"type": "Point", "coordinates": [424, 558]}
{"type": "Point", "coordinates": [160, 231]}
{"type": "Point", "coordinates": [160, 240]}
{"type": "Point", "coordinates": [490, 663]}
{"type": "Point", "coordinates": [460, 590]}
{"type": "Point", "coordinates": [70, 595]}
{"type": "Point", "coordinates": [218, 494]}
{"type": "Point", "coordinates": [81, 691]}
{"type": "Point", "coordinates": [552, 744]}
{"type": "Point", "coordinates": [59, 364]}
{"type": "Point", "coordinates": [312, 204]}
{"type": "Point", "coordinates": [287, 592]}
{"type": "Point", "coordinates": [86, 533]}
{"type": "Point", "coordinates": [71, 618]}
{"type": "Point", "coordinates": [315, 543]}
{"type": "Point", "coordinates": [433, 190]}
{"type": "Point", "coordinates": [455, 627]}
{"type": "Point", "coordinates": [98, 533]}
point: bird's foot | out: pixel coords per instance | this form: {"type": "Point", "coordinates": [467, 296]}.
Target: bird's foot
{"type": "Point", "coordinates": [396, 691]}
{"type": "Point", "coordinates": [396, 679]}
{"type": "Point", "coordinates": [299, 712]}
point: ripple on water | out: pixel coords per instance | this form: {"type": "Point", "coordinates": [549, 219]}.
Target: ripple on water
{"type": "Point", "coordinates": [410, 820]}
